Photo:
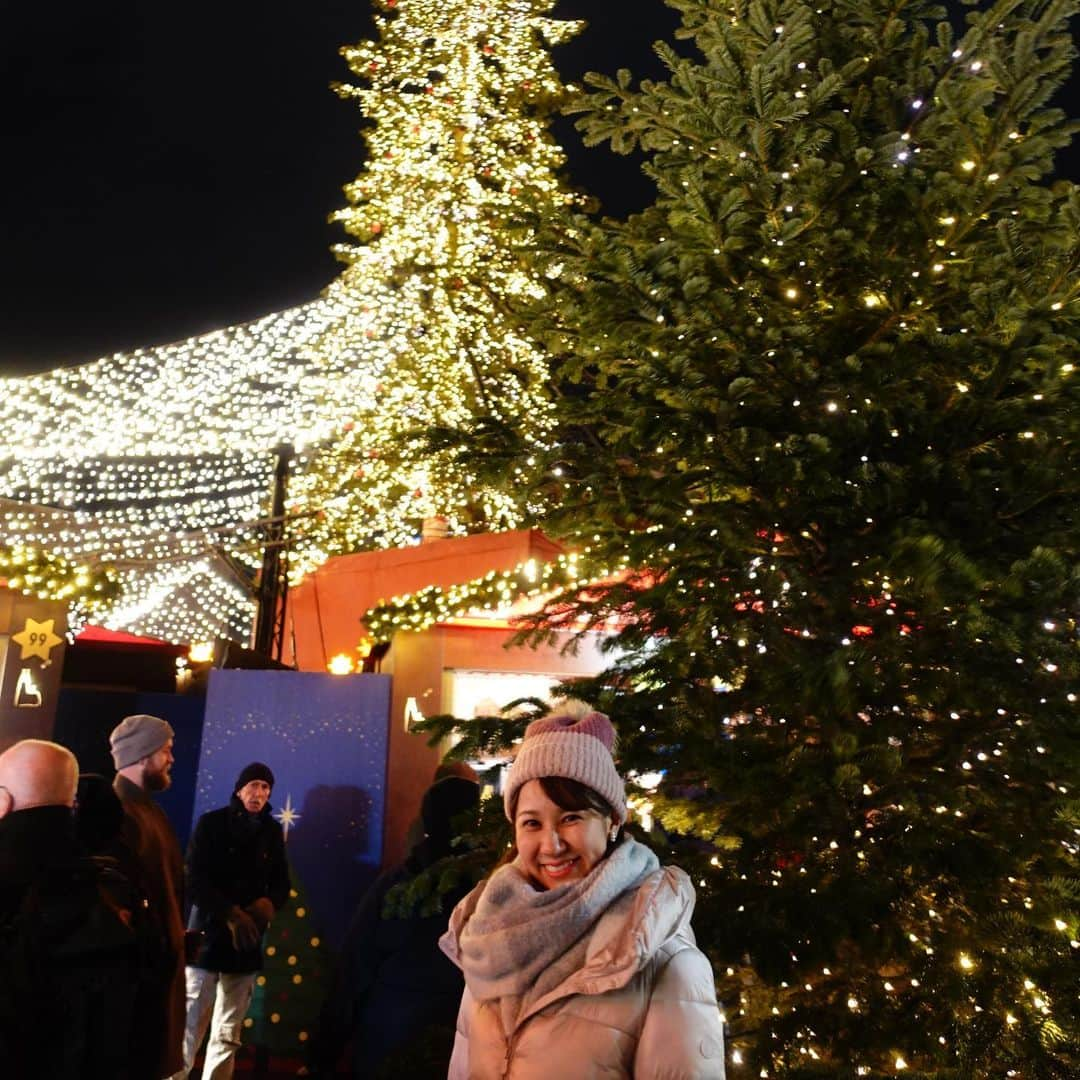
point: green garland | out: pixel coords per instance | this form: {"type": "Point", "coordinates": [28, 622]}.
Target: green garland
{"type": "Point", "coordinates": [37, 573]}
{"type": "Point", "coordinates": [497, 589]}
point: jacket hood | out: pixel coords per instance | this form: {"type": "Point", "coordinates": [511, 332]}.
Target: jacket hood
{"type": "Point", "coordinates": [636, 927]}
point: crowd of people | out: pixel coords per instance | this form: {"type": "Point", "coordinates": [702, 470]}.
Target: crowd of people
{"type": "Point", "coordinates": [574, 957]}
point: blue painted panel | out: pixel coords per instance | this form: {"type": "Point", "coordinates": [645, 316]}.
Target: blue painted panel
{"type": "Point", "coordinates": [325, 737]}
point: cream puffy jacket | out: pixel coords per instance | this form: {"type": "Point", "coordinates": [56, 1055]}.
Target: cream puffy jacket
{"type": "Point", "coordinates": [643, 1005]}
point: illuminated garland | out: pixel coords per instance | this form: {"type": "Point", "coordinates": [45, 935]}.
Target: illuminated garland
{"type": "Point", "coordinates": [495, 592]}
{"type": "Point", "coordinates": [47, 576]}
{"type": "Point", "coordinates": [161, 460]}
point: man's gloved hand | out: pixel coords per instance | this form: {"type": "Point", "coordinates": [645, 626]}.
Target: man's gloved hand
{"type": "Point", "coordinates": [245, 934]}
{"type": "Point", "coordinates": [262, 911]}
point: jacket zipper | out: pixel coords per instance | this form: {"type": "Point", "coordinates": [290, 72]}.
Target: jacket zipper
{"type": "Point", "coordinates": [509, 1054]}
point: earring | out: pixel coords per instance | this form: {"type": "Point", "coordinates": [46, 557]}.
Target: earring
{"type": "Point", "coordinates": [614, 834]}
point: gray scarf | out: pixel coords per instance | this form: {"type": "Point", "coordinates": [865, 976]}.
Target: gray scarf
{"type": "Point", "coordinates": [523, 942]}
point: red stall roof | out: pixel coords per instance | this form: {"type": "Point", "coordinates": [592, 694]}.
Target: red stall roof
{"type": "Point", "coordinates": [325, 609]}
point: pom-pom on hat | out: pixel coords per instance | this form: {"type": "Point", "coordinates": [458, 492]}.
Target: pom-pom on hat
{"type": "Point", "coordinates": [255, 771]}
{"type": "Point", "coordinates": [576, 747]}
{"type": "Point", "coordinates": [137, 737]}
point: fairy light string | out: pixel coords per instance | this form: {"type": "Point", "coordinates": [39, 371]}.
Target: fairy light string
{"type": "Point", "coordinates": [166, 454]}
{"type": "Point", "coordinates": [854, 306]}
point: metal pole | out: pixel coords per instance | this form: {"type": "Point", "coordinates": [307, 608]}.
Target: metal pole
{"type": "Point", "coordinates": [273, 580]}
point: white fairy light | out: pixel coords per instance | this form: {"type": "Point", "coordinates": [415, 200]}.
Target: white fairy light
{"type": "Point", "coordinates": [160, 460]}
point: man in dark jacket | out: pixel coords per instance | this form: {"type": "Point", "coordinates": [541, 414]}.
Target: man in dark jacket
{"type": "Point", "coordinates": [69, 958]}
{"type": "Point", "coordinates": [149, 855]}
{"type": "Point", "coordinates": [397, 996]}
{"type": "Point", "coordinates": [237, 879]}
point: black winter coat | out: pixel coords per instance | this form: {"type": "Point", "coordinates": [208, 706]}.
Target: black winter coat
{"type": "Point", "coordinates": [69, 959]}
{"type": "Point", "coordinates": [149, 856]}
{"type": "Point", "coordinates": [232, 861]}
{"type": "Point", "coordinates": [397, 994]}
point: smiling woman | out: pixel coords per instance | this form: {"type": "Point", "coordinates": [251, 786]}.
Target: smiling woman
{"type": "Point", "coordinates": [577, 953]}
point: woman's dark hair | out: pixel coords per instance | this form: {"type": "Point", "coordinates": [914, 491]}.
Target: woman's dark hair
{"type": "Point", "coordinates": [568, 795]}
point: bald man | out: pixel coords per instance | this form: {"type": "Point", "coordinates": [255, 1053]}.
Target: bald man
{"type": "Point", "coordinates": [37, 773]}
{"type": "Point", "coordinates": [68, 956]}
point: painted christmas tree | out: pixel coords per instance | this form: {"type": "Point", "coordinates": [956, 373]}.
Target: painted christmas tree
{"type": "Point", "coordinates": [295, 978]}
{"type": "Point", "coordinates": [822, 397]}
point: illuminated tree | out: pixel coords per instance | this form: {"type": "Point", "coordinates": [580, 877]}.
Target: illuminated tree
{"type": "Point", "coordinates": [49, 577]}
{"type": "Point", "coordinates": [459, 94]}
{"type": "Point", "coordinates": [823, 394]}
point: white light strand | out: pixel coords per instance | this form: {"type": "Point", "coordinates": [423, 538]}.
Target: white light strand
{"type": "Point", "coordinates": [160, 460]}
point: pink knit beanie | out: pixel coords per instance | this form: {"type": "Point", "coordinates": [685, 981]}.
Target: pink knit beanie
{"type": "Point", "coordinates": [574, 747]}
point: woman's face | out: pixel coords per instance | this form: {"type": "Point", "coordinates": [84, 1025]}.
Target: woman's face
{"type": "Point", "coordinates": [556, 845]}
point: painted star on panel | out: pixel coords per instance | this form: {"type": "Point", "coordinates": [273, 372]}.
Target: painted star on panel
{"type": "Point", "coordinates": [287, 816]}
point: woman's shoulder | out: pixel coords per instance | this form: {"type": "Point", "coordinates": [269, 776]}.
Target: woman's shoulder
{"type": "Point", "coordinates": [667, 895]}
{"type": "Point", "coordinates": [680, 960]}
{"type": "Point", "coordinates": [681, 970]}
{"type": "Point", "coordinates": [645, 919]}
{"type": "Point", "coordinates": [677, 880]}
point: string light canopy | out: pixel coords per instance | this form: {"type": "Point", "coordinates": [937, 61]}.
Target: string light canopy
{"type": "Point", "coordinates": [159, 461]}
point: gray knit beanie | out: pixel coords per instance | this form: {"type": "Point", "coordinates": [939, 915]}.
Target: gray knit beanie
{"type": "Point", "coordinates": [136, 737]}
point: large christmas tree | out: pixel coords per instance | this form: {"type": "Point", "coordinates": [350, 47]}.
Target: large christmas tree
{"type": "Point", "coordinates": [459, 94]}
{"type": "Point", "coordinates": [822, 396]}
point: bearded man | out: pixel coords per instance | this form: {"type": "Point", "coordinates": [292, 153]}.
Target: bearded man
{"type": "Point", "coordinates": [150, 856]}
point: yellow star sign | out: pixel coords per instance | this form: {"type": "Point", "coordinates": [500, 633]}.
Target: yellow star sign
{"type": "Point", "coordinates": [37, 639]}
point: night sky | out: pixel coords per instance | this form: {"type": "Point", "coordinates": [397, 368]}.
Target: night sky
{"type": "Point", "coordinates": [169, 168]}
